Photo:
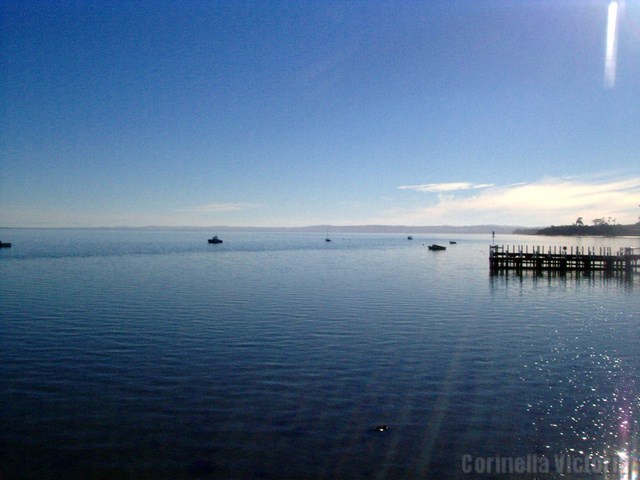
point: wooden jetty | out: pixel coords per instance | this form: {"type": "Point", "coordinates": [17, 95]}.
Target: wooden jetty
{"type": "Point", "coordinates": [563, 259]}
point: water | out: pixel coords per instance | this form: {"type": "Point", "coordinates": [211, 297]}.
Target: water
{"type": "Point", "coordinates": [151, 354]}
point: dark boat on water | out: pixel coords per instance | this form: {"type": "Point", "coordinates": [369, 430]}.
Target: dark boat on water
{"type": "Point", "coordinates": [409, 237]}
{"type": "Point", "coordinates": [5, 245]}
{"type": "Point", "coordinates": [452, 242]}
{"type": "Point", "coordinates": [436, 247]}
{"type": "Point", "coordinates": [214, 240]}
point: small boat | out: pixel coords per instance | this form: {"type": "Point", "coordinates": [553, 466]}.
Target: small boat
{"type": "Point", "coordinates": [5, 245]}
{"type": "Point", "coordinates": [436, 247]}
{"type": "Point", "coordinates": [327, 239]}
{"type": "Point", "coordinates": [214, 239]}
{"type": "Point", "coordinates": [452, 242]}
{"type": "Point", "coordinates": [409, 237]}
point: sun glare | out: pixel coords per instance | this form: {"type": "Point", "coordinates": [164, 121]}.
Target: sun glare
{"type": "Point", "coordinates": [612, 44]}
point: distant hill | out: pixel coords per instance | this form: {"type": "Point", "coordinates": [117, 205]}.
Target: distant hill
{"type": "Point", "coordinates": [504, 229]}
{"type": "Point", "coordinates": [479, 229]}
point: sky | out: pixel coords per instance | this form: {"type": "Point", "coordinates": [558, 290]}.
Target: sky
{"type": "Point", "coordinates": [295, 113]}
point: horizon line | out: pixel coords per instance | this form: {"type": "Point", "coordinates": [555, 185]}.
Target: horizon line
{"type": "Point", "coordinates": [253, 227]}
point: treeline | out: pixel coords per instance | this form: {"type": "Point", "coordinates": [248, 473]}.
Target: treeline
{"type": "Point", "coordinates": [600, 229]}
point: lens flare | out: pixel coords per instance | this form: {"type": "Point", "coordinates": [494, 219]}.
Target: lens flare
{"type": "Point", "coordinates": [612, 46]}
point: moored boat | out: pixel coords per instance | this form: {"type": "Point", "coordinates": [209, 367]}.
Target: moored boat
{"type": "Point", "coordinates": [5, 245]}
{"type": "Point", "coordinates": [436, 247]}
{"type": "Point", "coordinates": [214, 239]}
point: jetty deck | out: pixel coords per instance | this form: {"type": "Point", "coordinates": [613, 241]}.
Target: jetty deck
{"type": "Point", "coordinates": [563, 259]}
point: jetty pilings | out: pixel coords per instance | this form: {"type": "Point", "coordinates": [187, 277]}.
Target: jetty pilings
{"type": "Point", "coordinates": [563, 259]}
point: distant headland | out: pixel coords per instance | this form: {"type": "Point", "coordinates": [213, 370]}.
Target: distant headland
{"type": "Point", "coordinates": [598, 229]}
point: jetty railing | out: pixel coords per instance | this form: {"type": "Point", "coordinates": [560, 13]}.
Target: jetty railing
{"type": "Point", "coordinates": [562, 258]}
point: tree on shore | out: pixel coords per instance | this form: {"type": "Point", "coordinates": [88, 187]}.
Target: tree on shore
{"type": "Point", "coordinates": [602, 226]}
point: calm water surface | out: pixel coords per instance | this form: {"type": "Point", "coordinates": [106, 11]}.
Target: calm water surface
{"type": "Point", "coordinates": [151, 354]}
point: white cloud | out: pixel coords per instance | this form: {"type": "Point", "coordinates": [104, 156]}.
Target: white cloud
{"type": "Point", "coordinates": [544, 202]}
{"type": "Point", "coordinates": [445, 187]}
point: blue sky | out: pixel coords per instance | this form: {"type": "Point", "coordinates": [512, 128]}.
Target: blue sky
{"type": "Point", "coordinates": [269, 113]}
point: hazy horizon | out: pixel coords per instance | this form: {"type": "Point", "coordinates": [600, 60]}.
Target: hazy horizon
{"type": "Point", "coordinates": [311, 228]}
